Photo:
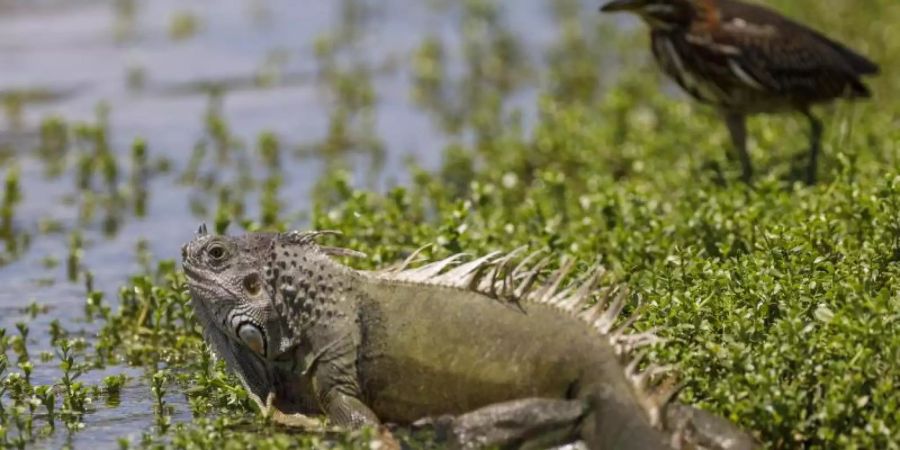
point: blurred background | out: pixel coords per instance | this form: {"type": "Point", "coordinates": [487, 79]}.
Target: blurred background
{"type": "Point", "coordinates": [127, 123]}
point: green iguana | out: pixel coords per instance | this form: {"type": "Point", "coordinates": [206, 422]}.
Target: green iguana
{"type": "Point", "coordinates": [490, 351]}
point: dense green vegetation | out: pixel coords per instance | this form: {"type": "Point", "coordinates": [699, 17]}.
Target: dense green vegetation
{"type": "Point", "coordinates": [779, 302]}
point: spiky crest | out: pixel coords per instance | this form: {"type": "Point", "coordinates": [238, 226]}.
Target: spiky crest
{"type": "Point", "coordinates": [311, 237]}
{"type": "Point", "coordinates": [494, 276]}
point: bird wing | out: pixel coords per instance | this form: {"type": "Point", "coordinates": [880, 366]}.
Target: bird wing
{"type": "Point", "coordinates": [769, 52]}
{"type": "Point", "coordinates": [761, 16]}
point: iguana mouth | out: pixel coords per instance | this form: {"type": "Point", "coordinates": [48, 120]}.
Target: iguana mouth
{"type": "Point", "coordinates": [191, 273]}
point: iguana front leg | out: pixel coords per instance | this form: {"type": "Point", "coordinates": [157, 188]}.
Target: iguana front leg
{"type": "Point", "coordinates": [334, 384]}
{"type": "Point", "coordinates": [522, 424]}
{"type": "Point", "coordinates": [332, 371]}
{"type": "Point", "coordinates": [341, 404]}
{"type": "Point", "coordinates": [346, 410]}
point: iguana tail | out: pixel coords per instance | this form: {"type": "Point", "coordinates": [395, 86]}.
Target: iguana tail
{"type": "Point", "coordinates": [685, 427]}
{"type": "Point", "coordinates": [634, 408]}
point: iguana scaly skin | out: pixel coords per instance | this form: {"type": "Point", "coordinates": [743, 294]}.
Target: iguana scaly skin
{"type": "Point", "coordinates": [490, 349]}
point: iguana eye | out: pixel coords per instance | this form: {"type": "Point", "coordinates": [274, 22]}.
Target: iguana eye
{"type": "Point", "coordinates": [252, 337]}
{"type": "Point", "coordinates": [216, 252]}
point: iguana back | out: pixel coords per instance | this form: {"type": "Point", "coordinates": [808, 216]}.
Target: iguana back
{"type": "Point", "coordinates": [445, 350]}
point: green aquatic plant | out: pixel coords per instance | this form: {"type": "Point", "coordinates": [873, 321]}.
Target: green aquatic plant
{"type": "Point", "coordinates": [217, 127]}
{"type": "Point", "coordinates": [139, 175]}
{"type": "Point", "coordinates": [54, 145]}
{"type": "Point", "coordinates": [124, 21]}
{"type": "Point", "coordinates": [47, 398]}
{"type": "Point", "coordinates": [269, 149]}
{"type": "Point", "coordinates": [158, 382]}
{"type": "Point", "coordinates": [14, 106]}
{"type": "Point", "coordinates": [76, 253]}
{"type": "Point", "coordinates": [20, 343]}
{"type": "Point", "coordinates": [184, 25]}
{"type": "Point", "coordinates": [136, 77]}
{"type": "Point", "coordinates": [12, 196]}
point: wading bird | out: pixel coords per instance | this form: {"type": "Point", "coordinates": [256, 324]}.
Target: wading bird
{"type": "Point", "coordinates": [745, 59]}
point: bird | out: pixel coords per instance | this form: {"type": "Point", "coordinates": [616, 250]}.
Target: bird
{"type": "Point", "coordinates": [746, 59]}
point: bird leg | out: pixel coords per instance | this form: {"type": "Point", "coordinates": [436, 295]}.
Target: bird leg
{"type": "Point", "coordinates": [737, 127]}
{"type": "Point", "coordinates": [815, 143]}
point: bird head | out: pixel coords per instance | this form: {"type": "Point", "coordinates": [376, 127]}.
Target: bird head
{"type": "Point", "coordinates": [663, 14]}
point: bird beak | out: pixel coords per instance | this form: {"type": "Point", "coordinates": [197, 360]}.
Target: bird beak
{"type": "Point", "coordinates": [620, 5]}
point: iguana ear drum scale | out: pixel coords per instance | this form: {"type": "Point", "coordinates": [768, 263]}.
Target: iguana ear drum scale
{"type": "Point", "coordinates": [495, 351]}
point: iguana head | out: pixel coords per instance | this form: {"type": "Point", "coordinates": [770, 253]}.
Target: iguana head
{"type": "Point", "coordinates": [255, 295]}
{"type": "Point", "coordinates": [225, 279]}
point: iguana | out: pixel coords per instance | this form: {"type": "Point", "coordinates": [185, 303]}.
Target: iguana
{"type": "Point", "coordinates": [492, 350]}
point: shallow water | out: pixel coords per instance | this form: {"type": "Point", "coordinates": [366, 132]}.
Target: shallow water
{"type": "Point", "coordinates": [64, 58]}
